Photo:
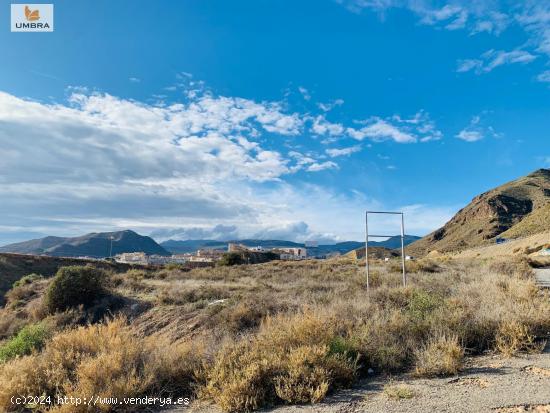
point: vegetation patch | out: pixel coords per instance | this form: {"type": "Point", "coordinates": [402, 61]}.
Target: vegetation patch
{"type": "Point", "coordinates": [75, 286]}
{"type": "Point", "coordinates": [398, 391]}
{"type": "Point", "coordinates": [105, 360]}
{"type": "Point", "coordinates": [251, 336]}
{"type": "Point", "coordinates": [442, 355]}
{"type": "Point", "coordinates": [29, 339]}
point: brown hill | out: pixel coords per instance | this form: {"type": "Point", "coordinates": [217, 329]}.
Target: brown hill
{"type": "Point", "coordinates": [516, 209]}
{"type": "Point", "coordinates": [15, 266]}
{"type": "Point", "coordinates": [374, 252]}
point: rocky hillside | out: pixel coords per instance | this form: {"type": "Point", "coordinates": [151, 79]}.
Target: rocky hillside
{"type": "Point", "coordinates": [96, 245]}
{"type": "Point", "coordinates": [515, 209]}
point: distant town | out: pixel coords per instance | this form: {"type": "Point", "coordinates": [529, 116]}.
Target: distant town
{"type": "Point", "coordinates": [209, 255]}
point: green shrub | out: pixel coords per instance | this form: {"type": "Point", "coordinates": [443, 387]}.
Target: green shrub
{"type": "Point", "coordinates": [422, 304]}
{"type": "Point", "coordinates": [231, 258]}
{"type": "Point", "coordinates": [29, 338]}
{"type": "Point", "coordinates": [247, 257]}
{"type": "Point", "coordinates": [75, 286]}
{"type": "Point", "coordinates": [27, 279]}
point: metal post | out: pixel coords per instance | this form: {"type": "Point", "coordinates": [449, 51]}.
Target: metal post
{"type": "Point", "coordinates": [367, 235]}
{"type": "Point", "coordinates": [111, 251]}
{"type": "Point", "coordinates": [367, 247]}
{"type": "Point", "coordinates": [403, 249]}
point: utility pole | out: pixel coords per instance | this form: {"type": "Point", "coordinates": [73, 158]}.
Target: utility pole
{"type": "Point", "coordinates": [111, 251]}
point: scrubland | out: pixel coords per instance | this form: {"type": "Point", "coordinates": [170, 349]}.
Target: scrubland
{"type": "Point", "coordinates": [250, 336]}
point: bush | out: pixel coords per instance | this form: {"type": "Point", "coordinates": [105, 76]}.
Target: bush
{"type": "Point", "coordinates": [513, 337]}
{"type": "Point", "coordinates": [288, 360]}
{"type": "Point", "coordinates": [105, 360]}
{"type": "Point", "coordinates": [247, 257]}
{"type": "Point", "coordinates": [305, 379]}
{"type": "Point", "coordinates": [422, 304]}
{"type": "Point", "coordinates": [23, 290]}
{"type": "Point", "coordinates": [398, 391]}
{"type": "Point", "coordinates": [29, 338]}
{"type": "Point", "coordinates": [231, 258]}
{"type": "Point", "coordinates": [75, 286]}
{"type": "Point", "coordinates": [442, 355]}
{"type": "Point", "coordinates": [27, 279]}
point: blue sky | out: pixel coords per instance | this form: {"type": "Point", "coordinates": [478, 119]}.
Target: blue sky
{"type": "Point", "coordinates": [269, 119]}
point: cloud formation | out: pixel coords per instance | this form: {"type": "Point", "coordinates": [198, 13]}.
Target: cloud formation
{"type": "Point", "coordinates": [401, 130]}
{"type": "Point", "coordinates": [335, 152]}
{"type": "Point", "coordinates": [476, 131]}
{"type": "Point", "coordinates": [98, 162]}
{"type": "Point", "coordinates": [493, 59]}
{"type": "Point", "coordinates": [482, 16]}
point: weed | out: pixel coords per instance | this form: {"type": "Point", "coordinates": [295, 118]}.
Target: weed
{"type": "Point", "coordinates": [398, 391]}
{"type": "Point", "coordinates": [442, 355]}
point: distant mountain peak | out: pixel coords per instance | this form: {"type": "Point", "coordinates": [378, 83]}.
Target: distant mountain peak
{"type": "Point", "coordinates": [95, 244]}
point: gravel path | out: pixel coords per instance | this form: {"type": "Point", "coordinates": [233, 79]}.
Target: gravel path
{"type": "Point", "coordinates": [488, 384]}
{"type": "Point", "coordinates": [542, 276]}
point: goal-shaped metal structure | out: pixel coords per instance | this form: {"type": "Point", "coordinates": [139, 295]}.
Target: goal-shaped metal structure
{"type": "Point", "coordinates": [384, 236]}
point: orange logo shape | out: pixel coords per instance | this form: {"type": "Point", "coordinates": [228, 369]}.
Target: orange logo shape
{"type": "Point", "coordinates": [31, 15]}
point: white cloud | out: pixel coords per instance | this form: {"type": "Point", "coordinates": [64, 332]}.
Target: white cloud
{"type": "Point", "coordinates": [474, 16]}
{"type": "Point", "coordinates": [316, 167]}
{"type": "Point", "coordinates": [469, 64]}
{"type": "Point", "coordinates": [217, 232]}
{"type": "Point", "coordinates": [493, 59]}
{"type": "Point", "coordinates": [380, 129]}
{"type": "Point", "coordinates": [334, 152]}
{"type": "Point", "coordinates": [100, 162]}
{"type": "Point", "coordinates": [476, 131]}
{"type": "Point", "coordinates": [401, 130]}
{"type": "Point", "coordinates": [327, 107]}
{"type": "Point", "coordinates": [304, 92]}
{"type": "Point", "coordinates": [134, 79]}
{"type": "Point", "coordinates": [323, 127]}
{"type": "Point", "coordinates": [470, 135]}
{"type": "Point", "coordinates": [544, 76]}
{"type": "Point", "coordinates": [482, 16]}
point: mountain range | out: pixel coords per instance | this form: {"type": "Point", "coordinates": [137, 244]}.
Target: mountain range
{"type": "Point", "coordinates": [95, 245]}
{"type": "Point", "coordinates": [180, 247]}
{"type": "Point", "coordinates": [98, 245]}
{"type": "Point", "coordinates": [516, 209]}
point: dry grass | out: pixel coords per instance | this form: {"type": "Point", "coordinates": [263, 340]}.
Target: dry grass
{"type": "Point", "coordinates": [105, 360]}
{"type": "Point", "coordinates": [398, 391]}
{"type": "Point", "coordinates": [441, 356]}
{"type": "Point", "coordinates": [290, 360]}
{"type": "Point", "coordinates": [514, 337]}
{"type": "Point", "coordinates": [281, 332]}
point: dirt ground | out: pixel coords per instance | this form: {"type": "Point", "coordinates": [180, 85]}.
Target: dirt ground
{"type": "Point", "coordinates": [513, 247]}
{"type": "Point", "coordinates": [488, 384]}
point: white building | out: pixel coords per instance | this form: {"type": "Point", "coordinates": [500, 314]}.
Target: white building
{"type": "Point", "coordinates": [291, 253]}
{"type": "Point", "coordinates": [143, 259]}
{"type": "Point", "coordinates": [132, 258]}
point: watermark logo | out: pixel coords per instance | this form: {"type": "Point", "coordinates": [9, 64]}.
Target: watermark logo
{"type": "Point", "coordinates": [32, 17]}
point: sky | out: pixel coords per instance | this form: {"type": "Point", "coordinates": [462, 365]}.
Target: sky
{"type": "Point", "coordinates": [267, 119]}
